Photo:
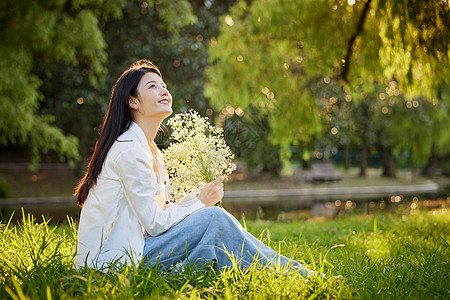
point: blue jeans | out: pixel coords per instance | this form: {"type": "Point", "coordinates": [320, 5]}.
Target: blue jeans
{"type": "Point", "coordinates": [212, 234]}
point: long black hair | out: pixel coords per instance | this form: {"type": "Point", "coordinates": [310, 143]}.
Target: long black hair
{"type": "Point", "coordinates": [117, 120]}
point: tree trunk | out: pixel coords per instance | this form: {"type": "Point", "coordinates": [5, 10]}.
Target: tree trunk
{"type": "Point", "coordinates": [306, 164]}
{"type": "Point", "coordinates": [387, 158]}
{"type": "Point", "coordinates": [388, 163]}
{"type": "Point", "coordinates": [430, 169]}
{"type": "Point", "coordinates": [347, 158]}
{"type": "Point", "coordinates": [431, 166]}
{"type": "Point", "coordinates": [363, 162]}
{"type": "Point", "coordinates": [364, 141]}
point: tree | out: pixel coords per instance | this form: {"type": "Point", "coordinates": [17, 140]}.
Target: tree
{"type": "Point", "coordinates": [34, 31]}
{"type": "Point", "coordinates": [439, 151]}
{"type": "Point", "coordinates": [143, 31]}
{"type": "Point", "coordinates": [74, 56]}
{"type": "Point", "coordinates": [274, 48]}
{"type": "Point", "coordinates": [141, 28]}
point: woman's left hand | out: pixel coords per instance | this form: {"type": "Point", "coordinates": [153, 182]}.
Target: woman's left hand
{"type": "Point", "coordinates": [212, 192]}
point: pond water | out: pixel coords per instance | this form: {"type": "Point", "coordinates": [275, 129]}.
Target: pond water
{"type": "Point", "coordinates": [284, 208]}
{"type": "Point", "coordinates": [333, 209]}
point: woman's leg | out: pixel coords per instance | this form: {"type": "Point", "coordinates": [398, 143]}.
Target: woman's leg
{"type": "Point", "coordinates": [212, 234]}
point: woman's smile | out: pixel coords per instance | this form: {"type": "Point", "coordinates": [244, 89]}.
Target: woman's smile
{"type": "Point", "coordinates": [164, 101]}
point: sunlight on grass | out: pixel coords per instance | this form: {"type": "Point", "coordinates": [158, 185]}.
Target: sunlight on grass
{"type": "Point", "coordinates": [363, 256]}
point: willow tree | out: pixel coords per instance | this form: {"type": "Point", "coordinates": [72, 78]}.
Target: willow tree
{"type": "Point", "coordinates": [145, 29]}
{"type": "Point", "coordinates": [271, 52]}
{"type": "Point", "coordinates": [63, 31]}
{"type": "Point", "coordinates": [53, 58]}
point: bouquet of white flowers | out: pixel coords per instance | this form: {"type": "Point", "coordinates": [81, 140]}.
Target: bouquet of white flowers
{"type": "Point", "coordinates": [197, 154]}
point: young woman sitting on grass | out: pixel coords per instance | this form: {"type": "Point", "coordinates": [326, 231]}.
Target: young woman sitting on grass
{"type": "Point", "coordinates": [126, 215]}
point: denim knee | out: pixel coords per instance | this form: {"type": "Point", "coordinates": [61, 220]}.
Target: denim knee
{"type": "Point", "coordinates": [215, 212]}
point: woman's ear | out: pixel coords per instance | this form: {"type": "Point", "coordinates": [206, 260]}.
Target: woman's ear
{"type": "Point", "coordinates": [133, 102]}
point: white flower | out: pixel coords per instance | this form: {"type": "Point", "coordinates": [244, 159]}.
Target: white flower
{"type": "Point", "coordinates": [197, 155]}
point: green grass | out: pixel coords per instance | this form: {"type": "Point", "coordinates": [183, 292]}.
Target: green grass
{"type": "Point", "coordinates": [389, 255]}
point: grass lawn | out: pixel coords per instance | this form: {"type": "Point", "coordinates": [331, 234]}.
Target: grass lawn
{"type": "Point", "coordinates": [396, 255]}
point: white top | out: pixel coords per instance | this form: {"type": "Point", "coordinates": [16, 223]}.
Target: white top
{"type": "Point", "coordinates": [126, 203]}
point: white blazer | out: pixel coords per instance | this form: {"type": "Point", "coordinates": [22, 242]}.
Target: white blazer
{"type": "Point", "coordinates": [127, 203]}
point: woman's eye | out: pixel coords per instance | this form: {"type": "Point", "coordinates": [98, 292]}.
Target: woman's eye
{"type": "Point", "coordinates": [152, 86]}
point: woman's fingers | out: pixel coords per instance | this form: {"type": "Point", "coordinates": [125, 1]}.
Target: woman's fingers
{"type": "Point", "coordinates": [219, 180]}
{"type": "Point", "coordinates": [212, 192]}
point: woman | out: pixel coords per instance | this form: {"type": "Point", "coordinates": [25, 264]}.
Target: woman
{"type": "Point", "coordinates": [126, 215]}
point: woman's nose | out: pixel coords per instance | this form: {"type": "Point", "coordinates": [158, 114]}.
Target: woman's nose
{"type": "Point", "coordinates": [164, 91]}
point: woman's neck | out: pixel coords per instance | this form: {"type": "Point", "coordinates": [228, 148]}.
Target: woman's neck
{"type": "Point", "coordinates": [150, 128]}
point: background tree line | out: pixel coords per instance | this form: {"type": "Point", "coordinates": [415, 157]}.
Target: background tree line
{"type": "Point", "coordinates": [327, 75]}
{"type": "Point", "coordinates": [278, 75]}
{"type": "Point", "coordinates": [61, 58]}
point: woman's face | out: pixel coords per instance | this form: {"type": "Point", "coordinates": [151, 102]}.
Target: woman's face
{"type": "Point", "coordinates": [153, 100]}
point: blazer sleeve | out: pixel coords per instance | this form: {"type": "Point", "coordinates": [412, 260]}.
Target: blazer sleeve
{"type": "Point", "coordinates": [188, 197]}
{"type": "Point", "coordinates": [135, 170]}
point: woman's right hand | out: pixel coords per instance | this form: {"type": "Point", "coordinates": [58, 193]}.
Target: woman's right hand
{"type": "Point", "coordinates": [212, 192]}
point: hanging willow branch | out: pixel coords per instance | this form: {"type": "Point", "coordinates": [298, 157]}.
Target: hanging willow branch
{"type": "Point", "coordinates": [359, 29]}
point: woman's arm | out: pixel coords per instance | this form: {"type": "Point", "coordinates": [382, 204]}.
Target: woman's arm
{"type": "Point", "coordinates": [134, 167]}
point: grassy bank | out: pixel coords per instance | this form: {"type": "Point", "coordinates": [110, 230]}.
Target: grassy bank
{"type": "Point", "coordinates": [394, 255]}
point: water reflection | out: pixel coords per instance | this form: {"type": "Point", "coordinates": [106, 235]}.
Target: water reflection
{"type": "Point", "coordinates": [283, 209]}
{"type": "Point", "coordinates": [57, 213]}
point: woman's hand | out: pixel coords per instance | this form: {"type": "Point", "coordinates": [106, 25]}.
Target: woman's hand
{"type": "Point", "coordinates": [212, 192]}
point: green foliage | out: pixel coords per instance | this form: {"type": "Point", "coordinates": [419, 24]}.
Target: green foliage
{"type": "Point", "coordinates": [270, 54]}
{"type": "Point", "coordinates": [146, 29]}
{"type": "Point", "coordinates": [248, 140]}
{"type": "Point", "coordinates": [414, 38]}
{"type": "Point", "coordinates": [421, 132]}
{"type": "Point", "coordinates": [149, 30]}
{"type": "Point", "coordinates": [256, 67]}
{"type": "Point", "coordinates": [34, 31]}
{"type": "Point", "coordinates": [380, 256]}
{"type": "Point", "coordinates": [415, 126]}
{"type": "Point", "coordinates": [176, 15]}
{"type": "Point", "coordinates": [61, 59]}
{"type": "Point", "coordinates": [340, 117]}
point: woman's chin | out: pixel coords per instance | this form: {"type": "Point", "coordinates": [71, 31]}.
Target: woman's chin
{"type": "Point", "coordinates": [169, 112]}
{"type": "Point", "coordinates": [166, 113]}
